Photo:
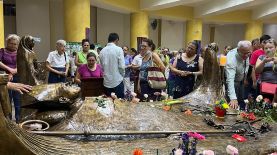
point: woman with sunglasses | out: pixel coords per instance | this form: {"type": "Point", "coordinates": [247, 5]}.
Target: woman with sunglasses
{"type": "Point", "coordinates": [148, 57]}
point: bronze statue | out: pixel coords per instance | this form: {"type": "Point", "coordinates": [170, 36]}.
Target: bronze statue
{"type": "Point", "coordinates": [26, 58]}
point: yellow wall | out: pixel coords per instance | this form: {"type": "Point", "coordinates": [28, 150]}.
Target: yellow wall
{"type": "Point", "coordinates": [139, 27]}
{"type": "Point", "coordinates": [253, 30]}
{"type": "Point", "coordinates": [1, 25]}
{"type": "Point", "coordinates": [178, 12]}
{"type": "Point", "coordinates": [242, 16]}
{"type": "Point", "coordinates": [130, 5]}
{"type": "Point", "coordinates": [76, 19]}
{"type": "Point", "coordinates": [194, 30]}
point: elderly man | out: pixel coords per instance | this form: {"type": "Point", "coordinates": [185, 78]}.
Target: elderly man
{"type": "Point", "coordinates": [236, 71]}
{"type": "Point", "coordinates": [58, 63]}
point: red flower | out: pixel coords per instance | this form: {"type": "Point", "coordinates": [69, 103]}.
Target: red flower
{"type": "Point", "coordinates": [251, 116]}
{"type": "Point", "coordinates": [266, 100]}
{"type": "Point", "coordinates": [243, 115]}
{"type": "Point", "coordinates": [138, 152]}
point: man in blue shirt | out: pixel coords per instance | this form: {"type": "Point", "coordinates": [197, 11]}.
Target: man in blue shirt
{"type": "Point", "coordinates": [128, 63]}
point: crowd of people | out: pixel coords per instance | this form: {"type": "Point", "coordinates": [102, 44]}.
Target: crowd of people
{"type": "Point", "coordinates": [248, 67]}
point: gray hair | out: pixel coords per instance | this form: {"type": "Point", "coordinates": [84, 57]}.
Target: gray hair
{"type": "Point", "coordinates": [61, 42]}
{"type": "Point", "coordinates": [244, 43]}
{"type": "Point", "coordinates": [13, 37]}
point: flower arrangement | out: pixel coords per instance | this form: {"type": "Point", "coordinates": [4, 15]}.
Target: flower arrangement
{"type": "Point", "coordinates": [222, 104]}
{"type": "Point", "coordinates": [263, 107]}
{"type": "Point", "coordinates": [220, 108]}
{"type": "Point", "coordinates": [184, 148]}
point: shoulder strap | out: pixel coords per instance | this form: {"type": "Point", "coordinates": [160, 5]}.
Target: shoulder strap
{"type": "Point", "coordinates": [151, 58]}
{"type": "Point", "coordinates": [1, 53]}
{"type": "Point", "coordinates": [64, 56]}
{"type": "Point", "coordinates": [197, 58]}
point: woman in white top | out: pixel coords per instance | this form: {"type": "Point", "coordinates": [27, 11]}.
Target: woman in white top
{"type": "Point", "coordinates": [57, 63]}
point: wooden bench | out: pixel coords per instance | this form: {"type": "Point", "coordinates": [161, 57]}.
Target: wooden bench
{"type": "Point", "coordinates": [92, 87]}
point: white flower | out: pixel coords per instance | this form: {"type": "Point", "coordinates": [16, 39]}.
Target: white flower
{"type": "Point", "coordinates": [178, 152]}
{"type": "Point", "coordinates": [246, 101]}
{"type": "Point", "coordinates": [260, 97]}
{"type": "Point", "coordinates": [133, 94]}
{"type": "Point", "coordinates": [145, 95]}
{"type": "Point", "coordinates": [258, 100]}
{"type": "Point", "coordinates": [164, 94]}
{"type": "Point", "coordinates": [113, 96]}
{"type": "Point", "coordinates": [274, 104]}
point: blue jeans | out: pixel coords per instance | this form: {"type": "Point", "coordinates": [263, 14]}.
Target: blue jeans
{"type": "Point", "coordinates": [118, 90]}
{"type": "Point", "coordinates": [239, 88]}
{"type": "Point", "coordinates": [249, 90]}
{"type": "Point", "coordinates": [15, 97]}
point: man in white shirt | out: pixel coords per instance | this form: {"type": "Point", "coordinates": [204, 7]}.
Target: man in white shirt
{"type": "Point", "coordinates": [236, 72]}
{"type": "Point", "coordinates": [58, 63]}
{"type": "Point", "coordinates": [113, 64]}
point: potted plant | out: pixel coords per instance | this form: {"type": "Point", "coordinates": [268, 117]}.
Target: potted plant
{"type": "Point", "coordinates": [220, 108]}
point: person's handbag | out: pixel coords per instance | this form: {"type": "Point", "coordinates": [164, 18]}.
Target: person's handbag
{"type": "Point", "coordinates": [268, 88]}
{"type": "Point", "coordinates": [156, 78]}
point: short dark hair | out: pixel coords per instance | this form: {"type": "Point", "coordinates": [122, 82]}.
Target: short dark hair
{"type": "Point", "coordinates": [100, 48]}
{"type": "Point", "coordinates": [126, 47]}
{"type": "Point", "coordinates": [150, 43]}
{"type": "Point", "coordinates": [84, 40]}
{"type": "Point", "coordinates": [90, 54]}
{"type": "Point", "coordinates": [133, 50]}
{"type": "Point", "coordinates": [254, 41]}
{"type": "Point", "coordinates": [113, 37]}
{"type": "Point", "coordinates": [92, 46]}
{"type": "Point", "coordinates": [264, 37]}
{"type": "Point", "coordinates": [194, 42]}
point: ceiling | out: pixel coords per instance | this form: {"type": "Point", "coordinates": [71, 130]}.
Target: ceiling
{"type": "Point", "coordinates": [259, 9]}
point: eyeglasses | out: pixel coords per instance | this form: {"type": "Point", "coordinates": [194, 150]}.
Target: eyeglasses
{"type": "Point", "coordinates": [268, 41]}
{"type": "Point", "coordinates": [143, 46]}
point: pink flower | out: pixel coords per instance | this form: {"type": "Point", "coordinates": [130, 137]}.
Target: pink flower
{"type": "Point", "coordinates": [208, 152]}
{"type": "Point", "coordinates": [196, 135]}
{"type": "Point", "coordinates": [266, 100]}
{"type": "Point", "coordinates": [135, 100]}
{"type": "Point", "coordinates": [231, 150]}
